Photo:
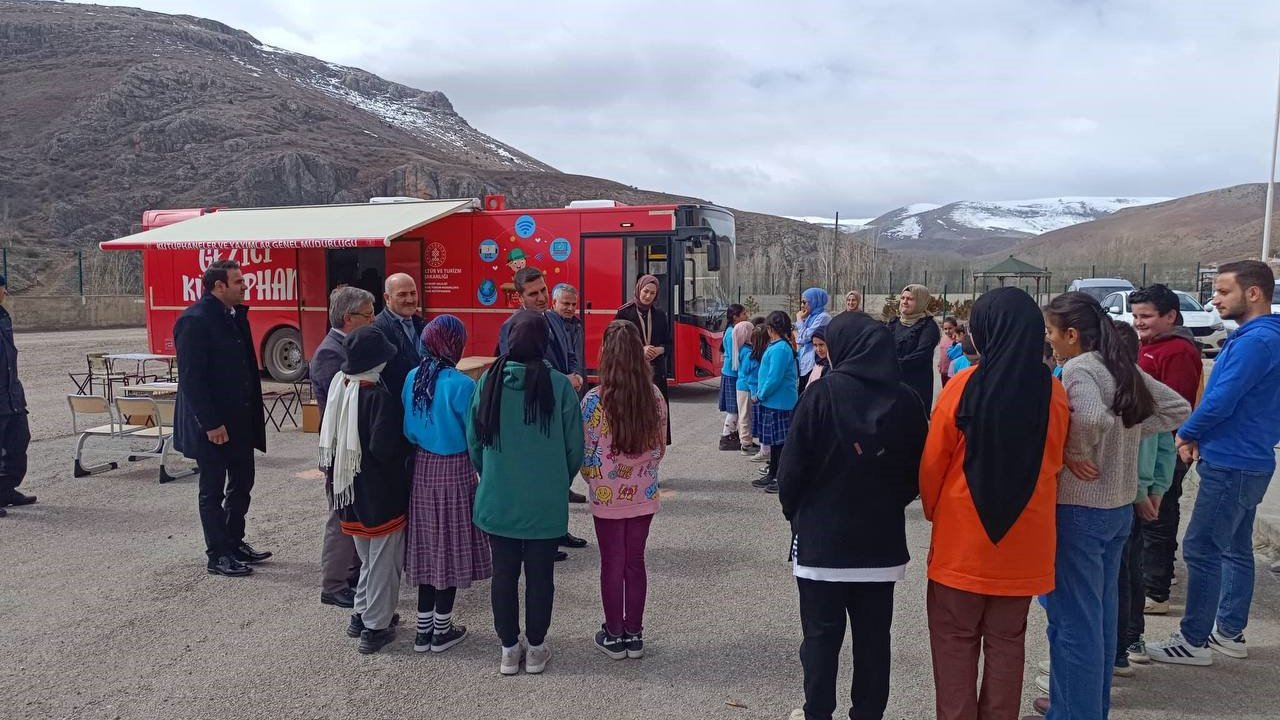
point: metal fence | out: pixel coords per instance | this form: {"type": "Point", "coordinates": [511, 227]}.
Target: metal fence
{"type": "Point", "coordinates": [90, 271]}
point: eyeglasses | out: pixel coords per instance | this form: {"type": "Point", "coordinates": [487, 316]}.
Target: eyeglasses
{"type": "Point", "coordinates": [366, 316]}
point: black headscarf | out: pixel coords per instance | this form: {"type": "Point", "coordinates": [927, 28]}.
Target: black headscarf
{"type": "Point", "coordinates": [1004, 410]}
{"type": "Point", "coordinates": [527, 339]}
{"type": "Point", "coordinates": [864, 382]}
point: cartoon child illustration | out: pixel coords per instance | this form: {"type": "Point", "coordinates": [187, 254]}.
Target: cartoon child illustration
{"type": "Point", "coordinates": [516, 261]}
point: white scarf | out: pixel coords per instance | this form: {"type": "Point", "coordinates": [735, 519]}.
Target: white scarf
{"type": "Point", "coordinates": [340, 432]}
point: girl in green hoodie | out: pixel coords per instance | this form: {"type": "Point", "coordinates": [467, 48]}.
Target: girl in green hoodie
{"type": "Point", "coordinates": [526, 440]}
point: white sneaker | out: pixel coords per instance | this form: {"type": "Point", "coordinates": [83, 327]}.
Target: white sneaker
{"type": "Point", "coordinates": [797, 714]}
{"type": "Point", "coordinates": [1042, 682]}
{"type": "Point", "coordinates": [1177, 651]}
{"type": "Point", "coordinates": [537, 659]}
{"type": "Point", "coordinates": [1043, 667]}
{"type": "Point", "coordinates": [758, 457]}
{"type": "Point", "coordinates": [1124, 671]}
{"type": "Point", "coordinates": [1155, 607]}
{"type": "Point", "coordinates": [511, 657]}
{"type": "Point", "coordinates": [1230, 646]}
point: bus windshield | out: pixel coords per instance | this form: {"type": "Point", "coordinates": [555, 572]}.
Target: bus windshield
{"type": "Point", "coordinates": [705, 293]}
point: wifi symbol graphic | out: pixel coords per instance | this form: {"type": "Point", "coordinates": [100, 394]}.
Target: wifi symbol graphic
{"type": "Point", "coordinates": [525, 225]}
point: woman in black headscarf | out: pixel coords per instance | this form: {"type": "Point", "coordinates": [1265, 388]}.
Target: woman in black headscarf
{"type": "Point", "coordinates": [846, 474]}
{"type": "Point", "coordinates": [655, 330]}
{"type": "Point", "coordinates": [526, 440]}
{"type": "Point", "coordinates": [988, 483]}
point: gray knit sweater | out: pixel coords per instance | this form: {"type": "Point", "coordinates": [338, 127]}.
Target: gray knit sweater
{"type": "Point", "coordinates": [1098, 434]}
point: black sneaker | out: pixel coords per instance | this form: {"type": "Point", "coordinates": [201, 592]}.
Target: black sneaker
{"type": "Point", "coordinates": [761, 482]}
{"type": "Point", "coordinates": [456, 634]}
{"type": "Point", "coordinates": [635, 645]}
{"type": "Point", "coordinates": [613, 646]}
{"type": "Point", "coordinates": [371, 641]}
{"type": "Point", "coordinates": [422, 642]}
{"type": "Point", "coordinates": [772, 488]}
{"type": "Point", "coordinates": [356, 626]}
{"type": "Point", "coordinates": [3, 512]}
{"type": "Point", "coordinates": [730, 442]}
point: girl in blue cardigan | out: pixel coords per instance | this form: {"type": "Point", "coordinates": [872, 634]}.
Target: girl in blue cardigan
{"type": "Point", "coordinates": [776, 394]}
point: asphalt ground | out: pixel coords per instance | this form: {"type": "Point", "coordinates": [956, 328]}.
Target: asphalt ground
{"type": "Point", "coordinates": [108, 611]}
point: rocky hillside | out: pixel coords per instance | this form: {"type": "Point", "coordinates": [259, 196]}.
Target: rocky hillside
{"type": "Point", "coordinates": [107, 111]}
{"type": "Point", "coordinates": [1208, 227]}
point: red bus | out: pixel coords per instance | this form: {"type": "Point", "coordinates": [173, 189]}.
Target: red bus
{"type": "Point", "coordinates": [463, 256]}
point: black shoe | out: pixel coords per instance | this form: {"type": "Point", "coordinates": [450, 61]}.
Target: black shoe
{"type": "Point", "coordinates": [356, 626]}
{"type": "Point", "coordinates": [772, 488]}
{"type": "Point", "coordinates": [761, 482]}
{"type": "Point", "coordinates": [246, 554]}
{"type": "Point", "coordinates": [15, 498]}
{"type": "Point", "coordinates": [343, 598]}
{"type": "Point", "coordinates": [3, 512]}
{"type": "Point", "coordinates": [561, 556]}
{"type": "Point", "coordinates": [613, 646]}
{"type": "Point", "coordinates": [456, 634]}
{"type": "Point", "coordinates": [635, 645]}
{"type": "Point", "coordinates": [371, 641]}
{"type": "Point", "coordinates": [730, 442]}
{"type": "Point", "coordinates": [571, 541]}
{"type": "Point", "coordinates": [422, 642]}
{"type": "Point", "coordinates": [229, 566]}
{"type": "Point", "coordinates": [577, 497]}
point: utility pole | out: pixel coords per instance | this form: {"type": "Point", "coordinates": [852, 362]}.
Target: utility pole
{"type": "Point", "coordinates": [1271, 183]}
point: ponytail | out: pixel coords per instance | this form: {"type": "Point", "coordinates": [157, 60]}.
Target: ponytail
{"type": "Point", "coordinates": [1132, 401]}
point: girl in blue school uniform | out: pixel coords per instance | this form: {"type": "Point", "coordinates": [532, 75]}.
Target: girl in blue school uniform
{"type": "Point", "coordinates": [777, 393]}
{"type": "Point", "coordinates": [729, 433]}
{"type": "Point", "coordinates": [748, 375]}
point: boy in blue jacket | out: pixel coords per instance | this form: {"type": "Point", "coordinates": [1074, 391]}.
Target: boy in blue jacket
{"type": "Point", "coordinates": [1233, 435]}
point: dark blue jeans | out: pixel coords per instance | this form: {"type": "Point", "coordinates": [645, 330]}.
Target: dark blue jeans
{"type": "Point", "coordinates": [1218, 550]}
{"type": "Point", "coordinates": [1082, 610]}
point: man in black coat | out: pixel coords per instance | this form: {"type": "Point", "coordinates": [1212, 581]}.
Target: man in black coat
{"type": "Point", "coordinates": [349, 308]}
{"type": "Point", "coordinates": [219, 420]}
{"type": "Point", "coordinates": [402, 325]}
{"type": "Point", "coordinates": [15, 434]}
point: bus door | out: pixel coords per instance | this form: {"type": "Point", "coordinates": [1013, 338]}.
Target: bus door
{"type": "Point", "coordinates": [652, 255]}
{"type": "Point", "coordinates": [365, 268]}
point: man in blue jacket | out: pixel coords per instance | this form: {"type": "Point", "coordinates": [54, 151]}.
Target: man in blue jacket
{"type": "Point", "coordinates": [402, 324]}
{"type": "Point", "coordinates": [1233, 435]}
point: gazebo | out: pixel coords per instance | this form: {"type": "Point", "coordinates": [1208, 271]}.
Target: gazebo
{"type": "Point", "coordinates": [1012, 267]}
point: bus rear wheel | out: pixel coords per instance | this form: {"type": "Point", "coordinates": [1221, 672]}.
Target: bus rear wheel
{"type": "Point", "coordinates": [283, 356]}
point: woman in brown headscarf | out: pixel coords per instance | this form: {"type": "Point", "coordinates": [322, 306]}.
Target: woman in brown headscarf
{"type": "Point", "coordinates": [655, 331]}
{"type": "Point", "coordinates": [916, 335]}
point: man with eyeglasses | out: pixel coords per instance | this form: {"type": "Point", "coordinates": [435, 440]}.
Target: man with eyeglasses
{"type": "Point", "coordinates": [349, 308]}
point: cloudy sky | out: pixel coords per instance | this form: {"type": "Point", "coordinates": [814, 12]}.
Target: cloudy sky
{"type": "Point", "coordinates": [809, 107]}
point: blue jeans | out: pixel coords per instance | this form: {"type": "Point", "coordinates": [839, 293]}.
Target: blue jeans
{"type": "Point", "coordinates": [1082, 610]}
{"type": "Point", "coordinates": [1218, 550]}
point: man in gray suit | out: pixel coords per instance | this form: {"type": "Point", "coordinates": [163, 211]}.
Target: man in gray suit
{"type": "Point", "coordinates": [349, 308]}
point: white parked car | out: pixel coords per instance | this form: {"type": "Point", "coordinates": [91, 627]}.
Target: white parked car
{"type": "Point", "coordinates": [1204, 323]}
{"type": "Point", "coordinates": [1231, 325]}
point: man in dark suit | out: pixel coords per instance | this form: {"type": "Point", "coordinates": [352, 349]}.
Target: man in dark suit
{"type": "Point", "coordinates": [15, 434]}
{"type": "Point", "coordinates": [349, 308]}
{"type": "Point", "coordinates": [402, 325]}
{"type": "Point", "coordinates": [219, 419]}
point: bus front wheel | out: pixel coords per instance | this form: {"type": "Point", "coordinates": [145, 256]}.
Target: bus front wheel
{"type": "Point", "coordinates": [283, 356]}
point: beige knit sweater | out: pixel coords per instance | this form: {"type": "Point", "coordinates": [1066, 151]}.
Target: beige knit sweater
{"type": "Point", "coordinates": [1098, 434]}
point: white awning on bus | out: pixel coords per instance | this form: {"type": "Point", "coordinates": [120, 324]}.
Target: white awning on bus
{"type": "Point", "coordinates": [308, 226]}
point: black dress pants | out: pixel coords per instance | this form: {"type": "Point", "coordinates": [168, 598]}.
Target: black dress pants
{"type": "Point", "coordinates": [538, 558]}
{"type": "Point", "coordinates": [226, 479]}
{"type": "Point", "coordinates": [15, 436]}
{"type": "Point", "coordinates": [823, 609]}
{"type": "Point", "coordinates": [1160, 539]}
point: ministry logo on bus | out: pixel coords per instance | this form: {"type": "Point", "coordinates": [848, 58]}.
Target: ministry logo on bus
{"type": "Point", "coordinates": [436, 255]}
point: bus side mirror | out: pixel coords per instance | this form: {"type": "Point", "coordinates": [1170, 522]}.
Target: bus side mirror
{"type": "Point", "coordinates": [713, 255]}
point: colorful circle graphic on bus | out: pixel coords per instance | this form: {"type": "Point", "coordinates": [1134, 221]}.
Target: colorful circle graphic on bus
{"type": "Point", "coordinates": [526, 226]}
{"type": "Point", "coordinates": [488, 292]}
{"type": "Point", "coordinates": [560, 249]}
{"type": "Point", "coordinates": [488, 250]}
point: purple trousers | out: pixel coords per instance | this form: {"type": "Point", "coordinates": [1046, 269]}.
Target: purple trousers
{"type": "Point", "coordinates": [623, 581]}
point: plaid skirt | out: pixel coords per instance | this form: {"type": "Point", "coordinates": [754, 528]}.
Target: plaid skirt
{"type": "Point", "coordinates": [728, 394]}
{"type": "Point", "coordinates": [755, 421]}
{"type": "Point", "coordinates": [774, 425]}
{"type": "Point", "coordinates": [443, 547]}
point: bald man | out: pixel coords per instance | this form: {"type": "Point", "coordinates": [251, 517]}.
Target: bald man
{"type": "Point", "coordinates": [402, 324]}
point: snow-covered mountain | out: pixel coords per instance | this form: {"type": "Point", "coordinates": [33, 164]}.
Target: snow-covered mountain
{"type": "Point", "coordinates": [969, 228]}
{"type": "Point", "coordinates": [846, 224]}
